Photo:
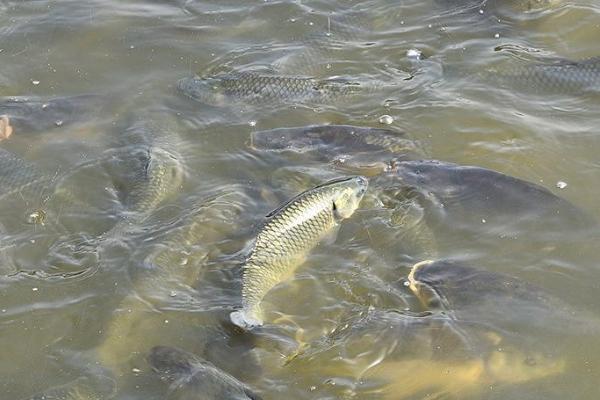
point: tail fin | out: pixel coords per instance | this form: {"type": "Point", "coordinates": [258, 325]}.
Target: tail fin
{"type": "Point", "coordinates": [243, 320]}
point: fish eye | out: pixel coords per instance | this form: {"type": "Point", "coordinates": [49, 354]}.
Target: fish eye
{"type": "Point", "coordinates": [530, 361]}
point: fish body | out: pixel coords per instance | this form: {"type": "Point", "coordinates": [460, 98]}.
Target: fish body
{"type": "Point", "coordinates": [256, 88]}
{"type": "Point", "coordinates": [35, 114]}
{"type": "Point", "coordinates": [192, 377]}
{"type": "Point", "coordinates": [454, 379]}
{"type": "Point", "coordinates": [560, 76]}
{"type": "Point", "coordinates": [290, 233]}
{"type": "Point", "coordinates": [162, 174]}
{"type": "Point", "coordinates": [18, 177]}
{"type": "Point", "coordinates": [363, 150]}
{"type": "Point", "coordinates": [334, 139]}
{"type": "Point", "coordinates": [495, 300]}
{"type": "Point", "coordinates": [466, 195]}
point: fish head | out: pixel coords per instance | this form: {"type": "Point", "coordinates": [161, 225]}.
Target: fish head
{"type": "Point", "coordinates": [347, 194]}
{"type": "Point", "coordinates": [204, 90]}
{"type": "Point", "coordinates": [513, 366]}
{"type": "Point", "coordinates": [167, 166]}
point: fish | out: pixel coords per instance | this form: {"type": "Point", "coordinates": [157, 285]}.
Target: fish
{"type": "Point", "coordinates": [494, 6]}
{"type": "Point", "coordinates": [340, 142]}
{"type": "Point", "coordinates": [460, 198]}
{"type": "Point", "coordinates": [146, 169]}
{"type": "Point", "coordinates": [291, 231]}
{"type": "Point", "coordinates": [404, 355]}
{"type": "Point", "coordinates": [168, 282]}
{"type": "Point", "coordinates": [19, 177]}
{"type": "Point", "coordinates": [412, 377]}
{"type": "Point", "coordinates": [558, 76]}
{"type": "Point", "coordinates": [37, 114]}
{"type": "Point", "coordinates": [258, 88]}
{"type": "Point", "coordinates": [495, 300]}
{"type": "Point", "coordinates": [161, 174]}
{"type": "Point", "coordinates": [192, 377]}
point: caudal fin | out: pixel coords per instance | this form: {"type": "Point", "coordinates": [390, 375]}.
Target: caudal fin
{"type": "Point", "coordinates": [243, 320]}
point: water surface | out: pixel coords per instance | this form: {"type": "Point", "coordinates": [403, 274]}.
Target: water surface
{"type": "Point", "coordinates": [74, 308]}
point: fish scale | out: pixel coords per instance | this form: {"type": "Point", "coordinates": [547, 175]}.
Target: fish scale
{"type": "Point", "coordinates": [255, 88]}
{"type": "Point", "coordinates": [561, 76]}
{"type": "Point", "coordinates": [286, 238]}
{"type": "Point", "coordinates": [18, 176]}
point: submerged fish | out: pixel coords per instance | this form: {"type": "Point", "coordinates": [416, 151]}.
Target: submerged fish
{"type": "Point", "coordinates": [495, 300]}
{"type": "Point", "coordinates": [441, 379]}
{"type": "Point", "coordinates": [555, 76]}
{"type": "Point", "coordinates": [18, 177]}
{"type": "Point", "coordinates": [471, 205]}
{"type": "Point", "coordinates": [256, 88]}
{"type": "Point", "coordinates": [519, 6]}
{"type": "Point", "coordinates": [343, 144]}
{"type": "Point", "coordinates": [400, 355]}
{"type": "Point", "coordinates": [162, 174]}
{"type": "Point", "coordinates": [192, 377]}
{"type": "Point", "coordinates": [35, 114]}
{"type": "Point", "coordinates": [290, 233]}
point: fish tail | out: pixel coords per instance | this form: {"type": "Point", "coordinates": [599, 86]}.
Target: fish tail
{"type": "Point", "coordinates": [245, 321]}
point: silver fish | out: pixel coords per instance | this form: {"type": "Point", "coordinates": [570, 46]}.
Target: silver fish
{"type": "Point", "coordinates": [556, 76]}
{"type": "Point", "coordinates": [255, 88]}
{"type": "Point", "coordinates": [35, 114]}
{"type": "Point", "coordinates": [334, 139]}
{"type": "Point", "coordinates": [361, 148]}
{"type": "Point", "coordinates": [290, 233]}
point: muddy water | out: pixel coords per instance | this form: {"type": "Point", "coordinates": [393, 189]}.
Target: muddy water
{"type": "Point", "coordinates": [81, 306]}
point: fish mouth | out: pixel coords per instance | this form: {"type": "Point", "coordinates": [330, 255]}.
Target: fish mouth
{"type": "Point", "coordinates": [362, 181]}
{"type": "Point", "coordinates": [190, 86]}
{"type": "Point", "coordinates": [363, 184]}
{"type": "Point", "coordinates": [184, 83]}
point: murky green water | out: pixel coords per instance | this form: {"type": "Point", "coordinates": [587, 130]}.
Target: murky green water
{"type": "Point", "coordinates": [97, 267]}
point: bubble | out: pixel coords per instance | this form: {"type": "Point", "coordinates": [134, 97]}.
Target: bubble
{"type": "Point", "coordinates": [386, 119]}
{"type": "Point", "coordinates": [561, 184]}
{"type": "Point", "coordinates": [414, 53]}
